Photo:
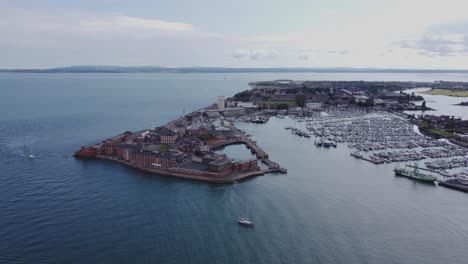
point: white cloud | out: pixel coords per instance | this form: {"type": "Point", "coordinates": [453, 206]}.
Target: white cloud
{"type": "Point", "coordinates": [111, 23]}
{"type": "Point", "coordinates": [387, 34]}
{"type": "Point", "coordinates": [48, 26]}
{"type": "Point", "coordinates": [444, 40]}
{"type": "Point", "coordinates": [255, 54]}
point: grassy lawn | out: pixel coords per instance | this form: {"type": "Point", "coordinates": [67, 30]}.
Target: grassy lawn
{"type": "Point", "coordinates": [163, 148]}
{"type": "Point", "coordinates": [442, 133]}
{"type": "Point", "coordinates": [448, 92]}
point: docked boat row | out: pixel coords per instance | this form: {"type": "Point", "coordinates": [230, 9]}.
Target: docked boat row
{"type": "Point", "coordinates": [298, 132]}
{"type": "Point", "coordinates": [447, 164]}
{"type": "Point", "coordinates": [379, 137]}
{"type": "Point", "coordinates": [368, 131]}
{"type": "Point", "coordinates": [325, 144]}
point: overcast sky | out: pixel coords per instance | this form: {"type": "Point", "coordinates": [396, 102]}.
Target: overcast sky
{"type": "Point", "coordinates": [426, 34]}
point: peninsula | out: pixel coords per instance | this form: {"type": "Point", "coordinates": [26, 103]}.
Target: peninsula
{"type": "Point", "coordinates": [185, 148]}
{"type": "Point", "coordinates": [371, 117]}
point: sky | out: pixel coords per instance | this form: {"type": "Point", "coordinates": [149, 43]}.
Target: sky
{"type": "Point", "coordinates": [409, 34]}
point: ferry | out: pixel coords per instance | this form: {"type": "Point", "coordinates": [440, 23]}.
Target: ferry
{"type": "Point", "coordinates": [415, 174]}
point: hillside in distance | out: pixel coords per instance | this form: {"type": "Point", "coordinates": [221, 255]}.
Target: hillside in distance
{"type": "Point", "coordinates": [157, 69]}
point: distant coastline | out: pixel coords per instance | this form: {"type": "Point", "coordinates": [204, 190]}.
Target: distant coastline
{"type": "Point", "coordinates": [448, 92]}
{"type": "Point", "coordinates": [157, 69]}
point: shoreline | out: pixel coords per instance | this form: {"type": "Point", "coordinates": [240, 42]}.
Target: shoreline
{"type": "Point", "coordinates": [446, 92]}
{"type": "Point", "coordinates": [176, 161]}
{"type": "Point", "coordinates": [230, 180]}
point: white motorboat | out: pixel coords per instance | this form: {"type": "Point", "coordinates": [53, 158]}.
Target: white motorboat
{"type": "Point", "coordinates": [244, 221]}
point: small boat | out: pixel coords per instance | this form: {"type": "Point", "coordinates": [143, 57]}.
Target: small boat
{"type": "Point", "coordinates": [244, 221]}
{"type": "Point", "coordinates": [28, 153]}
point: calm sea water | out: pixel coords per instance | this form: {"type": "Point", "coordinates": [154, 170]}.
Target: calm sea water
{"type": "Point", "coordinates": [442, 105]}
{"type": "Point", "coordinates": [329, 208]}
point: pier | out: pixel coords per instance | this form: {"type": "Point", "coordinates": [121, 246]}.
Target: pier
{"type": "Point", "coordinates": [457, 187]}
{"type": "Point", "coordinates": [376, 162]}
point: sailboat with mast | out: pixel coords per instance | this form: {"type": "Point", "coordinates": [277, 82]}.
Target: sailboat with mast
{"type": "Point", "coordinates": [28, 152]}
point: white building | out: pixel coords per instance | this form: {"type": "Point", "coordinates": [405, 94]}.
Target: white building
{"type": "Point", "coordinates": [221, 102]}
{"type": "Point", "coordinates": [314, 106]}
{"type": "Point", "coordinates": [212, 113]}
{"type": "Point", "coordinates": [246, 105]}
{"type": "Point", "coordinates": [360, 98]}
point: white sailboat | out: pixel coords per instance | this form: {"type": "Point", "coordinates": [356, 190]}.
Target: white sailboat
{"type": "Point", "coordinates": [28, 152]}
{"type": "Point", "coordinates": [244, 221]}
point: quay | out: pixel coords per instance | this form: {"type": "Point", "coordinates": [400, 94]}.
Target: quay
{"type": "Point", "coordinates": [457, 187]}
{"type": "Point", "coordinates": [259, 152]}
{"type": "Point", "coordinates": [255, 149]}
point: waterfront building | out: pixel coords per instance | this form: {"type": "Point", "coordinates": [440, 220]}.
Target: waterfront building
{"type": "Point", "coordinates": [169, 138]}
{"type": "Point", "coordinates": [247, 105]}
{"type": "Point", "coordinates": [245, 165]}
{"type": "Point", "coordinates": [150, 159]}
{"type": "Point", "coordinates": [212, 113]}
{"type": "Point", "coordinates": [221, 103]}
{"type": "Point", "coordinates": [295, 111]}
{"type": "Point", "coordinates": [165, 135]}
{"type": "Point", "coordinates": [236, 111]}
{"type": "Point", "coordinates": [360, 98]}
{"type": "Point", "coordinates": [314, 106]}
{"type": "Point", "coordinates": [220, 165]}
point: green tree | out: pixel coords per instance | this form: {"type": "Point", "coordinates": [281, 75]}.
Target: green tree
{"type": "Point", "coordinates": [300, 100]}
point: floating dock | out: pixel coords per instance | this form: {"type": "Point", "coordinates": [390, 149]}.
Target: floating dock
{"type": "Point", "coordinates": [376, 162]}
{"type": "Point", "coordinates": [457, 187]}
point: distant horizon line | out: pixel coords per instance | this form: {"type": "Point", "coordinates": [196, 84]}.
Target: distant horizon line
{"type": "Point", "coordinates": [208, 69]}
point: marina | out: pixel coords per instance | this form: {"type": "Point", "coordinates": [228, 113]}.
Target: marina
{"type": "Point", "coordinates": [382, 137]}
{"type": "Point", "coordinates": [331, 207]}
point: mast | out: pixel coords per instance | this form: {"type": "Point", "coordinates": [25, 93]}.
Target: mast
{"type": "Point", "coordinates": [416, 170]}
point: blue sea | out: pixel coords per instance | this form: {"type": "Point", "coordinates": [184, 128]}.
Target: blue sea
{"type": "Point", "coordinates": [329, 208]}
